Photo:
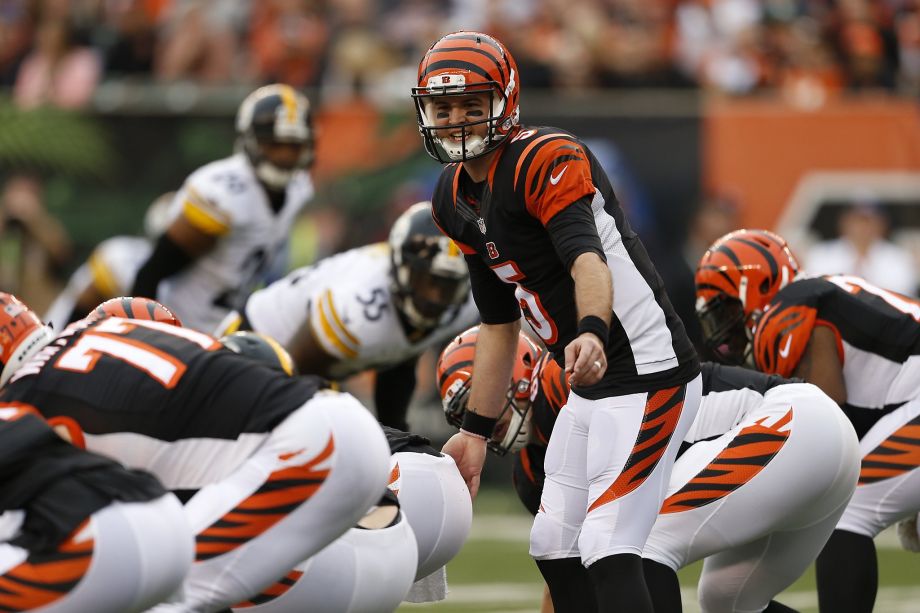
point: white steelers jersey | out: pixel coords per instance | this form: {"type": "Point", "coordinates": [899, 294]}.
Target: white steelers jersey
{"type": "Point", "coordinates": [111, 268]}
{"type": "Point", "coordinates": [225, 199]}
{"type": "Point", "coordinates": [345, 299]}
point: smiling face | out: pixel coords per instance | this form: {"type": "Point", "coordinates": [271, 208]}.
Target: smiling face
{"type": "Point", "coordinates": [461, 113]}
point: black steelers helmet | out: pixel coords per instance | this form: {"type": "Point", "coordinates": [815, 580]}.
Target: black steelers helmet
{"type": "Point", "coordinates": [429, 274]}
{"type": "Point", "coordinates": [275, 113]}
{"type": "Point", "coordinates": [261, 348]}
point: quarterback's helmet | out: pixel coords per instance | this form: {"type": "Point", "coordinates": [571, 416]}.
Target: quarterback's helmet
{"type": "Point", "coordinates": [275, 114]}
{"type": "Point", "coordinates": [261, 348]}
{"type": "Point", "coordinates": [429, 274]}
{"type": "Point", "coordinates": [135, 307]}
{"type": "Point", "coordinates": [736, 278]}
{"type": "Point", "coordinates": [463, 64]}
{"type": "Point", "coordinates": [455, 375]}
{"type": "Point", "coordinates": [22, 335]}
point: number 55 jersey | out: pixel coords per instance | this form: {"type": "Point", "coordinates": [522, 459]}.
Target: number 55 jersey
{"type": "Point", "coordinates": [346, 300]}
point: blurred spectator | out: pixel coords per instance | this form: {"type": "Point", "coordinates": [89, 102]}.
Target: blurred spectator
{"type": "Point", "coordinates": [359, 60]}
{"type": "Point", "coordinates": [126, 32]}
{"type": "Point", "coordinates": [16, 26]}
{"type": "Point", "coordinates": [200, 40]}
{"type": "Point", "coordinates": [57, 71]}
{"type": "Point", "coordinates": [808, 50]}
{"type": "Point", "coordinates": [34, 246]}
{"type": "Point", "coordinates": [288, 41]}
{"type": "Point", "coordinates": [863, 251]}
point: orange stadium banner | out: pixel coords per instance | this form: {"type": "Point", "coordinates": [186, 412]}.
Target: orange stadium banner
{"type": "Point", "coordinates": [761, 152]}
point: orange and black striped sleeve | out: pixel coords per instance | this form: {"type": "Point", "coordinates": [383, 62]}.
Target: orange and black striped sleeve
{"type": "Point", "coordinates": [552, 173]}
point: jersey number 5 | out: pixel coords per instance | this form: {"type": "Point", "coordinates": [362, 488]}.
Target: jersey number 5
{"type": "Point", "coordinates": [105, 339]}
{"type": "Point", "coordinates": [530, 303]}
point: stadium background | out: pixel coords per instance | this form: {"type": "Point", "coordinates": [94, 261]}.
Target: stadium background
{"type": "Point", "coordinates": [782, 111]}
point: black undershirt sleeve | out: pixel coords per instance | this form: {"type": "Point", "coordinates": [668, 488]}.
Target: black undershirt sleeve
{"type": "Point", "coordinates": [167, 259]}
{"type": "Point", "coordinates": [494, 298]}
{"type": "Point", "coordinates": [574, 232]}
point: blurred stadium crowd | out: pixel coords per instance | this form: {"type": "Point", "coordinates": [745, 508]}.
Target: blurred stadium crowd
{"type": "Point", "coordinates": [807, 50]}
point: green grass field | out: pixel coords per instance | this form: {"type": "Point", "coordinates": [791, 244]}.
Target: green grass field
{"type": "Point", "coordinates": [493, 573]}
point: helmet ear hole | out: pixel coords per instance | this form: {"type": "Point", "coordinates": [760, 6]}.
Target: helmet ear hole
{"type": "Point", "coordinates": [765, 287]}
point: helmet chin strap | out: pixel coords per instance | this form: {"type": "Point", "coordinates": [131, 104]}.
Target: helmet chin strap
{"type": "Point", "coordinates": [272, 176]}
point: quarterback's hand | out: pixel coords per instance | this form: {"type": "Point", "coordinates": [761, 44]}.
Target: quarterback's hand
{"type": "Point", "coordinates": [469, 453]}
{"type": "Point", "coordinates": [907, 534]}
{"type": "Point", "coordinates": [585, 361]}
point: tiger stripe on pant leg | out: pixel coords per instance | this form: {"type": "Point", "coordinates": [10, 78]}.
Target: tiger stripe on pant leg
{"type": "Point", "coordinates": [662, 412]}
{"type": "Point", "coordinates": [46, 577]}
{"type": "Point", "coordinates": [894, 456]}
{"type": "Point", "coordinates": [741, 460]}
{"type": "Point", "coordinates": [276, 590]}
{"type": "Point", "coordinates": [285, 490]}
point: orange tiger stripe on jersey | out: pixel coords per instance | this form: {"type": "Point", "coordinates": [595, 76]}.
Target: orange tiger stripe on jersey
{"type": "Point", "coordinates": [47, 577]}
{"type": "Point", "coordinates": [896, 455]}
{"type": "Point", "coordinates": [559, 175]}
{"type": "Point", "coordinates": [273, 591]}
{"type": "Point", "coordinates": [283, 491]}
{"type": "Point", "coordinates": [553, 383]}
{"type": "Point", "coordinates": [745, 456]}
{"type": "Point", "coordinates": [662, 412]}
{"type": "Point", "coordinates": [781, 337]}
{"type": "Point", "coordinates": [526, 152]}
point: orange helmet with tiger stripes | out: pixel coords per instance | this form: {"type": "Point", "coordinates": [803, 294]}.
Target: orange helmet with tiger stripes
{"type": "Point", "coordinates": [22, 335]}
{"type": "Point", "coordinates": [134, 307]}
{"type": "Point", "coordinates": [455, 375]}
{"type": "Point", "coordinates": [736, 278]}
{"type": "Point", "coordinates": [464, 64]}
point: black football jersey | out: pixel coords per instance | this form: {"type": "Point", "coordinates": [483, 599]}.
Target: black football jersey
{"type": "Point", "coordinates": [55, 483]}
{"type": "Point", "coordinates": [878, 339]}
{"type": "Point", "coordinates": [501, 225]}
{"type": "Point", "coordinates": [150, 378]}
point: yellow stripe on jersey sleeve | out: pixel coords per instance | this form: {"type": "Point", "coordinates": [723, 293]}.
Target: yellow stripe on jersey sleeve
{"type": "Point", "coordinates": [103, 279]}
{"type": "Point", "coordinates": [204, 215]}
{"type": "Point", "coordinates": [332, 330]}
{"type": "Point", "coordinates": [354, 340]}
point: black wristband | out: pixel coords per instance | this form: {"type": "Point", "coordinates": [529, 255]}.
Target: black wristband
{"type": "Point", "coordinates": [596, 326]}
{"type": "Point", "coordinates": [477, 424]}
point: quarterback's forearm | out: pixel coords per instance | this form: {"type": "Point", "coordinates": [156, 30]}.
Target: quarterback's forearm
{"type": "Point", "coordinates": [593, 286]}
{"type": "Point", "coordinates": [492, 367]}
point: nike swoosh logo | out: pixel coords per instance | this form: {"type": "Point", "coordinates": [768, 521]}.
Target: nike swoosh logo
{"type": "Point", "coordinates": [784, 352]}
{"type": "Point", "coordinates": [555, 179]}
